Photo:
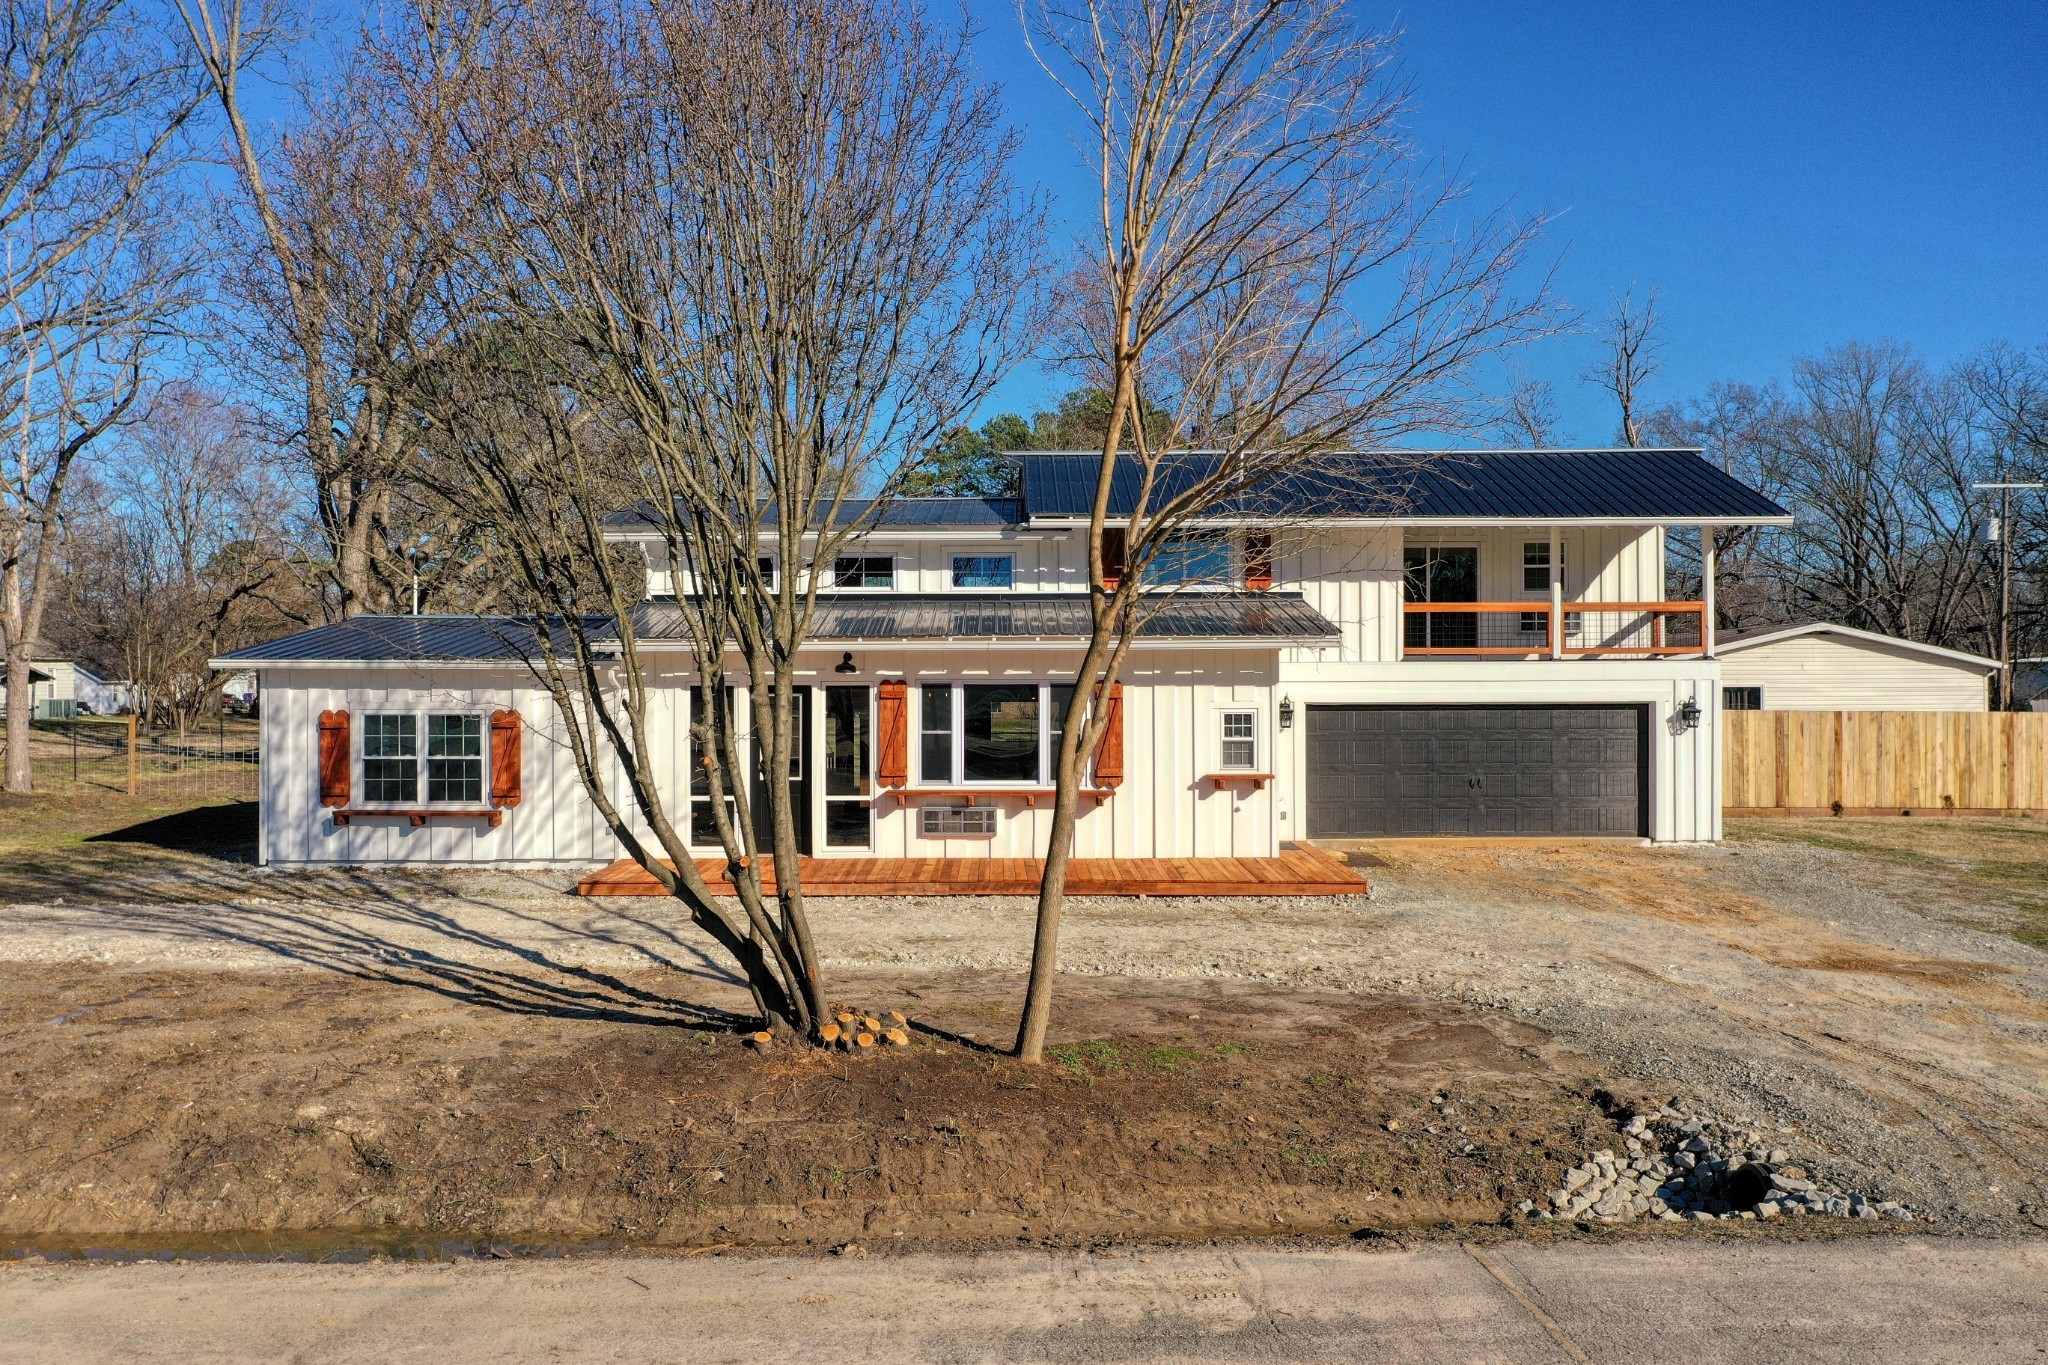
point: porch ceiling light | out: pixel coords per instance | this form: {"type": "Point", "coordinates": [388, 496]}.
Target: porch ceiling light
{"type": "Point", "coordinates": [846, 663]}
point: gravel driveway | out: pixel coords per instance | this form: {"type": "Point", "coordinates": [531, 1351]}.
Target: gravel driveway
{"type": "Point", "coordinates": [1818, 991]}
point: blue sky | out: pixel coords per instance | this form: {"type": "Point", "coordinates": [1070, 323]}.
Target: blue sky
{"type": "Point", "coordinates": [1789, 176]}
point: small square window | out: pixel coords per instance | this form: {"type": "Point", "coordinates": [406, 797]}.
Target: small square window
{"type": "Point", "coordinates": [984, 571]}
{"type": "Point", "coordinates": [1240, 740]}
{"type": "Point", "coordinates": [1536, 565]}
{"type": "Point", "coordinates": [864, 571]}
{"type": "Point", "coordinates": [1742, 698]}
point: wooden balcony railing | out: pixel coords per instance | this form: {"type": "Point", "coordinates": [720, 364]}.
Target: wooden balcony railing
{"type": "Point", "coordinates": [1550, 630]}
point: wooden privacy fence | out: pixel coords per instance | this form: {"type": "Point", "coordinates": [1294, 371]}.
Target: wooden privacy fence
{"type": "Point", "coordinates": [1883, 762]}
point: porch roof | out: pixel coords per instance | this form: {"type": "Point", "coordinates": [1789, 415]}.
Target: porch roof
{"type": "Point", "coordinates": [1275, 619]}
{"type": "Point", "coordinates": [1281, 618]}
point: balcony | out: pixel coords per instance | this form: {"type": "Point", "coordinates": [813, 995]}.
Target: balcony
{"type": "Point", "coordinates": [1545, 630]}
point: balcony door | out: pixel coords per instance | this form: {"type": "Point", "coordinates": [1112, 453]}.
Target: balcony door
{"type": "Point", "coordinates": [1441, 573]}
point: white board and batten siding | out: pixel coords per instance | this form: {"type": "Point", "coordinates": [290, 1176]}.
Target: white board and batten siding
{"type": "Point", "coordinates": [1830, 672]}
{"type": "Point", "coordinates": [1355, 578]}
{"type": "Point", "coordinates": [1173, 700]}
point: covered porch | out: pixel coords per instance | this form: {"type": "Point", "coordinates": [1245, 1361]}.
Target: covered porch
{"type": "Point", "coordinates": [1299, 870]}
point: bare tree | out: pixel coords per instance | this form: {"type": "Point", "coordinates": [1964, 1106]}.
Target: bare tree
{"type": "Point", "coordinates": [1528, 412]}
{"type": "Point", "coordinates": [180, 553]}
{"type": "Point", "coordinates": [1634, 355]}
{"type": "Point", "coordinates": [1274, 269]}
{"type": "Point", "coordinates": [354, 220]}
{"type": "Point", "coordinates": [750, 264]}
{"type": "Point", "coordinates": [91, 108]}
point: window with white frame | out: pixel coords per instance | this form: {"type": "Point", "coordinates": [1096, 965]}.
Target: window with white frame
{"type": "Point", "coordinates": [864, 571]}
{"type": "Point", "coordinates": [454, 758]}
{"type": "Point", "coordinates": [984, 571]}
{"type": "Point", "coordinates": [990, 734]}
{"type": "Point", "coordinates": [1240, 736]}
{"type": "Point", "coordinates": [1742, 699]}
{"type": "Point", "coordinates": [1191, 557]}
{"type": "Point", "coordinates": [1536, 566]}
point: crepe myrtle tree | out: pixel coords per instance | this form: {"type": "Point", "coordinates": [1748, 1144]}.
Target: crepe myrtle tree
{"type": "Point", "coordinates": [747, 263]}
{"type": "Point", "coordinates": [1270, 265]}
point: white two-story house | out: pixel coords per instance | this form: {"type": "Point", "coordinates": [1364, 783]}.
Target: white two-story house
{"type": "Point", "coordinates": [1489, 649]}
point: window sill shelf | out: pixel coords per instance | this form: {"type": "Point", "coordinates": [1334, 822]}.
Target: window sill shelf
{"type": "Point", "coordinates": [971, 795]}
{"type": "Point", "coordinates": [419, 817]}
{"type": "Point", "coordinates": [1258, 780]}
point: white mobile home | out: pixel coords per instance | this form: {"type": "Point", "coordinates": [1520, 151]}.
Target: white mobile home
{"type": "Point", "coordinates": [1487, 649]}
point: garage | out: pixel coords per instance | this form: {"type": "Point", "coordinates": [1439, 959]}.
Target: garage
{"type": "Point", "coordinates": [1434, 771]}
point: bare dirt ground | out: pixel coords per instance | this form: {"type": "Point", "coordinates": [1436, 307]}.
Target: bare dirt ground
{"type": "Point", "coordinates": [197, 1047]}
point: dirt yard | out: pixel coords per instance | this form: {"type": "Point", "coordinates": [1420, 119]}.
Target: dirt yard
{"type": "Point", "coordinates": [198, 1049]}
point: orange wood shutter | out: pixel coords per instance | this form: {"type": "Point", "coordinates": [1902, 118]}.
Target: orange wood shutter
{"type": "Point", "coordinates": [1109, 750]}
{"type": "Point", "coordinates": [505, 758]}
{"type": "Point", "coordinates": [334, 758]}
{"type": "Point", "coordinates": [1112, 557]}
{"type": "Point", "coordinates": [892, 733]}
{"type": "Point", "coordinates": [1258, 561]}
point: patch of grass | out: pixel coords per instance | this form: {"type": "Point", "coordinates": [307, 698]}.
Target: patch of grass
{"type": "Point", "coordinates": [1096, 1057]}
{"type": "Point", "coordinates": [2001, 865]}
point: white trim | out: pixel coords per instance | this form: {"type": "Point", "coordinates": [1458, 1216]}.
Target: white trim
{"type": "Point", "coordinates": [1382, 523]}
{"type": "Point", "coordinates": [1725, 645]}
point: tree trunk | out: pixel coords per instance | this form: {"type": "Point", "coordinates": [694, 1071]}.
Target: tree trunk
{"type": "Point", "coordinates": [20, 711]}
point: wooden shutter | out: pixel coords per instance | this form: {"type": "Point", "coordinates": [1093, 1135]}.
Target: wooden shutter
{"type": "Point", "coordinates": [892, 733]}
{"type": "Point", "coordinates": [334, 758]}
{"type": "Point", "coordinates": [1258, 561]}
{"type": "Point", "coordinates": [1109, 750]}
{"type": "Point", "coordinates": [505, 729]}
{"type": "Point", "coordinates": [1112, 557]}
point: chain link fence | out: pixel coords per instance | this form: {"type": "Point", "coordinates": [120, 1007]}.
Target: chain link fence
{"type": "Point", "coordinates": [213, 761]}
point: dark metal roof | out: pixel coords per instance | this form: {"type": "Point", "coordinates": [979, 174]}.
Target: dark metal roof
{"type": "Point", "coordinates": [896, 512]}
{"type": "Point", "coordinates": [398, 639]}
{"type": "Point", "coordinates": [1621, 485]}
{"type": "Point", "coordinates": [1282, 617]}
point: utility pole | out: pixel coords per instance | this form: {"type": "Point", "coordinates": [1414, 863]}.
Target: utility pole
{"type": "Point", "coordinates": [2002, 527]}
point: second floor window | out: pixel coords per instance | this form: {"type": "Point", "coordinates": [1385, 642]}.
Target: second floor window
{"type": "Point", "coordinates": [864, 571]}
{"type": "Point", "coordinates": [1191, 557]}
{"type": "Point", "coordinates": [984, 571]}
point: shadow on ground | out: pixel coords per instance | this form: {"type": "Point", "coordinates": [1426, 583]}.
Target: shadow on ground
{"type": "Point", "coordinates": [227, 832]}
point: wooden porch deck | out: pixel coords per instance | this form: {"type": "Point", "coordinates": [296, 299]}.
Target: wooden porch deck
{"type": "Point", "coordinates": [1298, 871]}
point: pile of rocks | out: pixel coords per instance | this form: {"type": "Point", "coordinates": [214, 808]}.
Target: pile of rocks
{"type": "Point", "coordinates": [1677, 1168]}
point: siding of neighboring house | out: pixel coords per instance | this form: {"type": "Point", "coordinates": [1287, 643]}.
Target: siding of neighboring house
{"type": "Point", "coordinates": [1842, 673]}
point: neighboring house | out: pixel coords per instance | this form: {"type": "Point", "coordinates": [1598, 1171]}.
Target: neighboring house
{"type": "Point", "coordinates": [2030, 683]}
{"type": "Point", "coordinates": [61, 688]}
{"type": "Point", "coordinates": [1823, 667]}
{"type": "Point", "coordinates": [1476, 647]}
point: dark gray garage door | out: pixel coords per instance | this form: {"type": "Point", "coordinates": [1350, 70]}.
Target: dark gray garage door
{"type": "Point", "coordinates": [1421, 771]}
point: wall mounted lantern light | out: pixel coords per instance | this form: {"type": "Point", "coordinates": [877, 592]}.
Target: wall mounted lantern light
{"type": "Point", "coordinates": [1689, 713]}
{"type": "Point", "coordinates": [1287, 713]}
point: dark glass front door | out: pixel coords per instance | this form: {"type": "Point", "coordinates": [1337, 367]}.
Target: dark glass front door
{"type": "Point", "coordinates": [849, 768]}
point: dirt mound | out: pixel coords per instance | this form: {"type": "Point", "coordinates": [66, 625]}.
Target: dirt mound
{"type": "Point", "coordinates": [153, 1105]}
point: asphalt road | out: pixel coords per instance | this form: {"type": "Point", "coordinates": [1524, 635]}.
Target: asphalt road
{"type": "Point", "coordinates": [1858, 1300]}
